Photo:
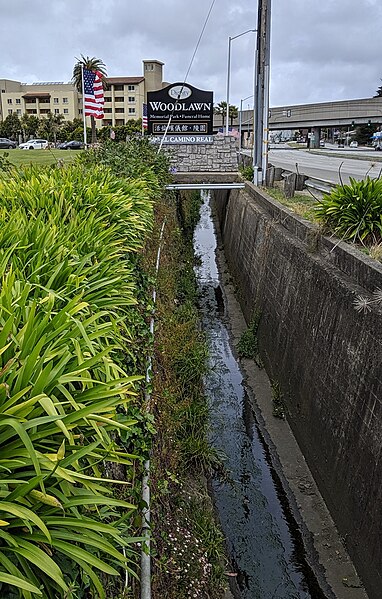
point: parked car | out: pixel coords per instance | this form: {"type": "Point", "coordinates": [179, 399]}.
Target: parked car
{"type": "Point", "coordinates": [71, 145]}
{"type": "Point", "coordinates": [322, 143]}
{"type": "Point", "coordinates": [34, 144]}
{"type": "Point", "coordinates": [7, 143]}
{"type": "Point", "coordinates": [353, 144]}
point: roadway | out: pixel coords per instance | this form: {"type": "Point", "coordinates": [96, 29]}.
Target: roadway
{"type": "Point", "coordinates": [324, 167]}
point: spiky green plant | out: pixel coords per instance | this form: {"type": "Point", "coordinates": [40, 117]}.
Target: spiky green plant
{"type": "Point", "coordinates": [68, 245]}
{"type": "Point", "coordinates": [354, 211]}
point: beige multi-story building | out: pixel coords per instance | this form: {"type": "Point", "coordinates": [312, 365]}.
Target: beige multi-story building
{"type": "Point", "coordinates": [124, 97]}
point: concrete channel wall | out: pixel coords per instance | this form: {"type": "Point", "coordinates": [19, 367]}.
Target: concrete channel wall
{"type": "Point", "coordinates": [326, 355]}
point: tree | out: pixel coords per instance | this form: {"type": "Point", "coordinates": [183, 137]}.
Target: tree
{"type": "Point", "coordinates": [29, 126]}
{"type": "Point", "coordinates": [378, 92]}
{"type": "Point", "coordinates": [50, 125]}
{"type": "Point", "coordinates": [233, 113]}
{"type": "Point", "coordinates": [221, 109]}
{"type": "Point", "coordinates": [11, 127]}
{"type": "Point", "coordinates": [364, 134]}
{"type": "Point", "coordinates": [69, 127]}
{"type": "Point", "coordinates": [92, 64]}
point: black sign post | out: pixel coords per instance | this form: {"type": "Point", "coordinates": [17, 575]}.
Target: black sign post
{"type": "Point", "coordinates": [190, 111]}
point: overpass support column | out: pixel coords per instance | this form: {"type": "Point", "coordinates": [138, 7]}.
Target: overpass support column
{"type": "Point", "coordinates": [316, 136]}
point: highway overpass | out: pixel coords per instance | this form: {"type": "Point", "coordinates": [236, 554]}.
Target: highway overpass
{"type": "Point", "coordinates": [344, 113]}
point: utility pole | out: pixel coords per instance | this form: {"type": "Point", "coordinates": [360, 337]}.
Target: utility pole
{"type": "Point", "coordinates": [261, 92]}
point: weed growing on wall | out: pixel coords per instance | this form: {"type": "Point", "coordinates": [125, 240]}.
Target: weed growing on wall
{"type": "Point", "coordinates": [248, 346]}
{"type": "Point", "coordinates": [246, 172]}
{"type": "Point", "coordinates": [277, 401]}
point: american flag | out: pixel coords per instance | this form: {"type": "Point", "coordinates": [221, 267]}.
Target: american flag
{"type": "Point", "coordinates": [144, 116]}
{"type": "Point", "coordinates": [93, 94]}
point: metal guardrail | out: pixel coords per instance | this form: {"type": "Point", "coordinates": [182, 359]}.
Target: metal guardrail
{"type": "Point", "coordinates": [206, 186]}
{"type": "Point", "coordinates": [319, 185]}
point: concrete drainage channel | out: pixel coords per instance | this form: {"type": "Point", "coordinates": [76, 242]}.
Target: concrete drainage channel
{"type": "Point", "coordinates": [269, 559]}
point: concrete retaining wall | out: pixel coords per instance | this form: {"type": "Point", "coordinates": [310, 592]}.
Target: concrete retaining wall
{"type": "Point", "coordinates": [325, 354]}
{"type": "Point", "coordinates": [220, 156]}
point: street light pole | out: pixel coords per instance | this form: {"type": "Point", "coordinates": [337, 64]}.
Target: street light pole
{"type": "Point", "coordinates": [229, 73]}
{"type": "Point", "coordinates": [241, 118]}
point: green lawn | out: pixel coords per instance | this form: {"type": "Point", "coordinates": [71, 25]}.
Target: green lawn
{"type": "Point", "coordinates": [39, 156]}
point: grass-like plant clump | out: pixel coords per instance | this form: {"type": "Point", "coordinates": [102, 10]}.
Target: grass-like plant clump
{"type": "Point", "coordinates": [278, 409]}
{"type": "Point", "coordinates": [248, 346]}
{"type": "Point", "coordinates": [354, 212]}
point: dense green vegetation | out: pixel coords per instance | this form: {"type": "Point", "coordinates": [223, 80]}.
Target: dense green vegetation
{"type": "Point", "coordinates": [54, 128]}
{"type": "Point", "coordinates": [73, 341]}
{"type": "Point", "coordinates": [77, 253]}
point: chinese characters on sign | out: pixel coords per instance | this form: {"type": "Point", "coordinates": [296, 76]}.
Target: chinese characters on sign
{"type": "Point", "coordinates": [185, 128]}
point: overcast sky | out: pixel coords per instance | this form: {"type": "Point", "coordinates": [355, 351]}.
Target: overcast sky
{"type": "Point", "coordinates": [321, 50]}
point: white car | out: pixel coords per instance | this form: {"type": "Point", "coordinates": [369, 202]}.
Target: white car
{"type": "Point", "coordinates": [34, 144]}
{"type": "Point", "coordinates": [353, 144]}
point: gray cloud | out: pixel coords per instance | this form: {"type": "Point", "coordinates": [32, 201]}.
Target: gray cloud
{"type": "Point", "coordinates": [321, 51]}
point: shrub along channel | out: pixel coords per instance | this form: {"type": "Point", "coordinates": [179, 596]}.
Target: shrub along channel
{"type": "Point", "coordinates": [73, 338]}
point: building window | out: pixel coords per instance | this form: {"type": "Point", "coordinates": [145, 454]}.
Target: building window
{"type": "Point", "coordinates": [10, 111]}
{"type": "Point", "coordinates": [149, 67]}
{"type": "Point", "coordinates": [9, 100]}
{"type": "Point", "coordinates": [65, 100]}
{"type": "Point", "coordinates": [119, 99]}
{"type": "Point", "coordinates": [107, 99]}
{"type": "Point", "coordinates": [131, 110]}
{"type": "Point", "coordinates": [131, 98]}
{"type": "Point", "coordinates": [131, 88]}
{"type": "Point", "coordinates": [106, 122]}
{"type": "Point", "coordinates": [18, 111]}
{"type": "Point", "coordinates": [66, 110]}
{"type": "Point", "coordinates": [107, 109]}
{"type": "Point", "coordinates": [80, 110]}
{"type": "Point", "coordinates": [119, 122]}
{"type": "Point", "coordinates": [32, 111]}
{"type": "Point", "coordinates": [18, 101]}
{"type": "Point", "coordinates": [56, 111]}
{"type": "Point", "coordinates": [55, 100]}
{"type": "Point", "coordinates": [120, 110]}
{"type": "Point", "coordinates": [44, 111]}
{"type": "Point", "coordinates": [118, 88]}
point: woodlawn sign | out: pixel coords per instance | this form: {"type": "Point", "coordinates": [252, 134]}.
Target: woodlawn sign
{"type": "Point", "coordinates": [190, 111]}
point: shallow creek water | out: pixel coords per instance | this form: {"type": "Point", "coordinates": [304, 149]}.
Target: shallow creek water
{"type": "Point", "coordinates": [264, 545]}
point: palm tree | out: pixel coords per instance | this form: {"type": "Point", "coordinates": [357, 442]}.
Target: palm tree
{"type": "Point", "coordinates": [233, 113]}
{"type": "Point", "coordinates": [92, 64]}
{"type": "Point", "coordinates": [221, 109]}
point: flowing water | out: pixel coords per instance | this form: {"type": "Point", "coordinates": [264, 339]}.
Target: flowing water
{"type": "Point", "coordinates": [263, 542]}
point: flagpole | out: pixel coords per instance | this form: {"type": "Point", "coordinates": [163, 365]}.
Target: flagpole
{"type": "Point", "coordinates": [83, 104]}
